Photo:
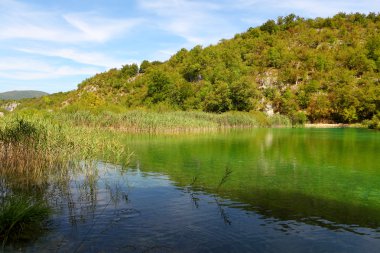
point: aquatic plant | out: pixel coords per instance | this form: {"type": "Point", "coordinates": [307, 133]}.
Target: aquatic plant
{"type": "Point", "coordinates": [41, 144]}
{"type": "Point", "coordinates": [168, 121]}
{"type": "Point", "coordinates": [34, 154]}
{"type": "Point", "coordinates": [30, 147]}
{"type": "Point", "coordinates": [226, 175]}
{"type": "Point", "coordinates": [278, 120]}
{"type": "Point", "coordinates": [21, 217]}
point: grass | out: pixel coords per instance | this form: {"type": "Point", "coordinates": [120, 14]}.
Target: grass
{"type": "Point", "coordinates": [25, 146]}
{"type": "Point", "coordinates": [143, 121]}
{"type": "Point", "coordinates": [21, 218]}
{"type": "Point", "coordinates": [38, 143]}
{"type": "Point", "coordinates": [36, 152]}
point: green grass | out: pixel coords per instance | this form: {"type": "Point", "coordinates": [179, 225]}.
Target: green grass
{"type": "Point", "coordinates": [32, 146]}
{"type": "Point", "coordinates": [21, 218]}
{"type": "Point", "coordinates": [144, 121]}
{"type": "Point", "coordinates": [43, 144]}
{"type": "Point", "coordinates": [35, 152]}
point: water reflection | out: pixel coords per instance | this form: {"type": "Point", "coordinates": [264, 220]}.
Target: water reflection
{"type": "Point", "coordinates": [107, 210]}
{"type": "Point", "coordinates": [234, 193]}
{"type": "Point", "coordinates": [304, 174]}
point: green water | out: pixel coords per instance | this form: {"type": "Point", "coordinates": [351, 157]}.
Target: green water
{"type": "Point", "coordinates": [259, 190]}
{"type": "Point", "coordinates": [307, 174]}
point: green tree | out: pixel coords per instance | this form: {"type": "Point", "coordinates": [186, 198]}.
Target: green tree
{"type": "Point", "coordinates": [243, 94]}
{"type": "Point", "coordinates": [217, 98]}
{"type": "Point", "coordinates": [270, 27]}
{"type": "Point", "coordinates": [319, 108]}
{"type": "Point", "coordinates": [159, 86]}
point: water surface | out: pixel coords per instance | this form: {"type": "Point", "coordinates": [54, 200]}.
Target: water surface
{"type": "Point", "coordinates": [262, 190]}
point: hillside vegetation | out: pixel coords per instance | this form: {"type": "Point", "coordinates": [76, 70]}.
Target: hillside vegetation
{"type": "Point", "coordinates": [21, 94]}
{"type": "Point", "coordinates": [325, 69]}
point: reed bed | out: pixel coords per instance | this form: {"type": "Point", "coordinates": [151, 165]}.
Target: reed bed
{"type": "Point", "coordinates": [36, 152]}
{"type": "Point", "coordinates": [141, 121]}
{"type": "Point", "coordinates": [26, 147]}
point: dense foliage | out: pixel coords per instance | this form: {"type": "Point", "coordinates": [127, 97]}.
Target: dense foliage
{"type": "Point", "coordinates": [325, 69]}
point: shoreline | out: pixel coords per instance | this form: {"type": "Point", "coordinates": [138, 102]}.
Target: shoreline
{"type": "Point", "coordinates": [332, 125]}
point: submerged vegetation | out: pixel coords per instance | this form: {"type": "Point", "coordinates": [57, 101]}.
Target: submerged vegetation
{"type": "Point", "coordinates": [21, 217]}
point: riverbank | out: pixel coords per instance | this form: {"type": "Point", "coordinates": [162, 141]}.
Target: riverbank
{"type": "Point", "coordinates": [333, 125]}
{"type": "Point", "coordinates": [326, 125]}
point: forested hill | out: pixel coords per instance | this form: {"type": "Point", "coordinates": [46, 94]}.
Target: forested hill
{"type": "Point", "coordinates": [20, 94]}
{"type": "Point", "coordinates": [325, 68]}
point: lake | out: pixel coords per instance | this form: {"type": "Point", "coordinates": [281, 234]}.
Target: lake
{"type": "Point", "coordinates": [257, 190]}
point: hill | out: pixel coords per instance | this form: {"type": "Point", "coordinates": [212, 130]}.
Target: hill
{"type": "Point", "coordinates": [21, 94]}
{"type": "Point", "coordinates": [325, 69]}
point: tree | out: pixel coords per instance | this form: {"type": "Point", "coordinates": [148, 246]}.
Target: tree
{"type": "Point", "coordinates": [373, 47]}
{"type": "Point", "coordinates": [144, 66]}
{"type": "Point", "coordinates": [129, 70]}
{"type": "Point", "coordinates": [243, 95]}
{"type": "Point", "coordinates": [217, 98]}
{"type": "Point", "coordinates": [159, 86]}
{"type": "Point", "coordinates": [319, 108]}
{"type": "Point", "coordinates": [270, 27]}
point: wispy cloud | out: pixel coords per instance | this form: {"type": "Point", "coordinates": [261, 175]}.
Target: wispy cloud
{"type": "Point", "coordinates": [30, 69]}
{"type": "Point", "coordinates": [89, 58]}
{"type": "Point", "coordinates": [20, 21]}
{"type": "Point", "coordinates": [91, 27]}
{"type": "Point", "coordinates": [198, 22]}
{"type": "Point", "coordinates": [39, 36]}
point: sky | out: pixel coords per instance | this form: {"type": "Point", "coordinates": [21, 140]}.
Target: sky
{"type": "Point", "coordinates": [54, 45]}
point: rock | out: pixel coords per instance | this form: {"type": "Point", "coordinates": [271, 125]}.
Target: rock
{"type": "Point", "coordinates": [269, 110]}
{"type": "Point", "coordinates": [11, 106]}
{"type": "Point", "coordinates": [90, 88]}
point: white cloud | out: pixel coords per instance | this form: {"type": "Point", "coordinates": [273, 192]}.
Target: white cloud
{"type": "Point", "coordinates": [29, 69]}
{"type": "Point", "coordinates": [89, 58]}
{"type": "Point", "coordinates": [99, 29]}
{"type": "Point", "coordinates": [198, 22]}
{"type": "Point", "coordinates": [56, 33]}
{"type": "Point", "coordinates": [15, 63]}
{"type": "Point", "coordinates": [20, 21]}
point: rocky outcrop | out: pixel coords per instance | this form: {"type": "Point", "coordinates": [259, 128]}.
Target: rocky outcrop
{"type": "Point", "coordinates": [10, 107]}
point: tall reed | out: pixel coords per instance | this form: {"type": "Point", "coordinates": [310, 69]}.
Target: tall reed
{"type": "Point", "coordinates": [142, 121]}
{"type": "Point", "coordinates": [37, 153]}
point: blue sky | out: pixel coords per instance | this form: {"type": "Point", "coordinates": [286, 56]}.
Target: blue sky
{"type": "Point", "coordinates": [54, 45]}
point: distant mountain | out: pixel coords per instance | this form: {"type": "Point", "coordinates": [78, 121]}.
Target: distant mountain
{"type": "Point", "coordinates": [20, 94]}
